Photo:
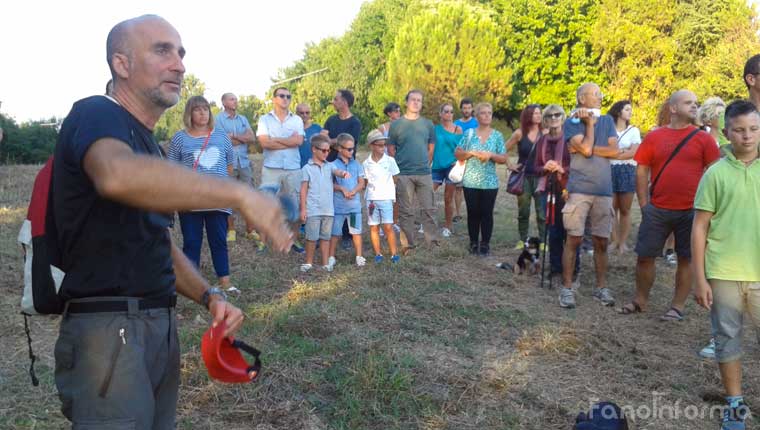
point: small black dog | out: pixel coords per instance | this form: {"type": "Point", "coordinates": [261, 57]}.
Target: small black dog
{"type": "Point", "coordinates": [528, 260]}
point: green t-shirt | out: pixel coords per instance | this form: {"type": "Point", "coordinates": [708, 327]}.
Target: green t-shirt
{"type": "Point", "coordinates": [731, 191]}
{"type": "Point", "coordinates": [411, 138]}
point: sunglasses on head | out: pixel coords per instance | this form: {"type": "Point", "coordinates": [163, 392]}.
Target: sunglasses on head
{"type": "Point", "coordinates": [284, 96]}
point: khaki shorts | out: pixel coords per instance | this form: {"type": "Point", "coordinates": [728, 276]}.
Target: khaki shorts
{"type": "Point", "coordinates": [288, 182]}
{"type": "Point", "coordinates": [581, 206]}
{"type": "Point", "coordinates": [731, 301]}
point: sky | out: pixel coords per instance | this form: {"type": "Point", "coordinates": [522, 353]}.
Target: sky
{"type": "Point", "coordinates": [53, 52]}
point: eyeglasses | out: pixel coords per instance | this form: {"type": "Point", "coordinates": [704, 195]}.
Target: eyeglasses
{"type": "Point", "coordinates": [351, 149]}
{"type": "Point", "coordinates": [324, 151]}
{"type": "Point", "coordinates": [303, 112]}
{"type": "Point", "coordinates": [554, 115]}
{"type": "Point", "coordinates": [284, 96]}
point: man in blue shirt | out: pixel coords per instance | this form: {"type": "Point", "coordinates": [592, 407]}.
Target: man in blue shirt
{"type": "Point", "coordinates": [239, 131]}
{"type": "Point", "coordinates": [310, 128]}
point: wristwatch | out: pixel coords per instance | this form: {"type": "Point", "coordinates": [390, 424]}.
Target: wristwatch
{"type": "Point", "coordinates": [207, 295]}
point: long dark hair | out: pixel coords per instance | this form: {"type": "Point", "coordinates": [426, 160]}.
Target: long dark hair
{"type": "Point", "coordinates": [617, 109]}
{"type": "Point", "coordinates": [526, 118]}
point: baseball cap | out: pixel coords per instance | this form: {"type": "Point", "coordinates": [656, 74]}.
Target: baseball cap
{"type": "Point", "coordinates": [374, 136]}
{"type": "Point", "coordinates": [223, 359]}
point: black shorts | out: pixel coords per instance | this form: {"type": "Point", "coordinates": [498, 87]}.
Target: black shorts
{"type": "Point", "coordinates": [657, 224]}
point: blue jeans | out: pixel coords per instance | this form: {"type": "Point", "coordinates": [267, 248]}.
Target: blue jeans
{"type": "Point", "coordinates": [191, 224]}
{"type": "Point", "coordinates": [557, 238]}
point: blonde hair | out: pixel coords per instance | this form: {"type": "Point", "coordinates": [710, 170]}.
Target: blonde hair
{"type": "Point", "coordinates": [193, 103]}
{"type": "Point", "coordinates": [711, 110]}
{"type": "Point", "coordinates": [550, 109]}
{"type": "Point", "coordinates": [482, 105]}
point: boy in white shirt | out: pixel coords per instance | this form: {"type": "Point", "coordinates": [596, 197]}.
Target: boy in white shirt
{"type": "Point", "coordinates": [379, 170]}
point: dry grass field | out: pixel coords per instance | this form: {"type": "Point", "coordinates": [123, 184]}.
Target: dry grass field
{"type": "Point", "coordinates": [443, 340]}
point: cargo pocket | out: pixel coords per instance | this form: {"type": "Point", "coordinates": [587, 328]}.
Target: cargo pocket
{"type": "Point", "coordinates": [570, 217]}
{"type": "Point", "coordinates": [118, 424]}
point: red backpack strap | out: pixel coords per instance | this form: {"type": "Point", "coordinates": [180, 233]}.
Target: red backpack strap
{"type": "Point", "coordinates": [39, 201]}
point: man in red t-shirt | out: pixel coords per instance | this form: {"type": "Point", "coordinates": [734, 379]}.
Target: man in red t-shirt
{"type": "Point", "coordinates": [670, 207]}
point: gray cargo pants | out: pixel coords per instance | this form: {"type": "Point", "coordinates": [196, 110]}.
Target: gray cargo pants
{"type": "Point", "coordinates": [118, 370]}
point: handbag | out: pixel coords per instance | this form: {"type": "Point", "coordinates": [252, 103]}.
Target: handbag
{"type": "Point", "coordinates": [517, 177]}
{"type": "Point", "coordinates": [456, 174]}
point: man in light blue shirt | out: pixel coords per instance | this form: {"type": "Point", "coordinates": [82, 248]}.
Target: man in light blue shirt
{"type": "Point", "coordinates": [238, 129]}
{"type": "Point", "coordinates": [281, 133]}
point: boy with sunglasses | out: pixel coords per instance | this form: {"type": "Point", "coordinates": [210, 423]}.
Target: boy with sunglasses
{"type": "Point", "coordinates": [346, 200]}
{"type": "Point", "coordinates": [317, 209]}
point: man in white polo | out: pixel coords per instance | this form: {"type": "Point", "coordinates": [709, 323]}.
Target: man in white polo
{"type": "Point", "coordinates": [280, 133]}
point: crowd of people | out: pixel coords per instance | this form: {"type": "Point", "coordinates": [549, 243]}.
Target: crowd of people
{"type": "Point", "coordinates": [579, 172]}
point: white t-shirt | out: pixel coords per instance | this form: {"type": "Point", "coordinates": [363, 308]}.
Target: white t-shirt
{"type": "Point", "coordinates": [379, 176]}
{"type": "Point", "coordinates": [627, 138]}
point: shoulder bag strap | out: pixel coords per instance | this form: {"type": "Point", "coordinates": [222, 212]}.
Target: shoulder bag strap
{"type": "Point", "coordinates": [203, 148]}
{"type": "Point", "coordinates": [672, 154]}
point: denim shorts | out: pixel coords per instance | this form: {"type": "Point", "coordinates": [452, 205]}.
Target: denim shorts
{"type": "Point", "coordinates": [354, 227]}
{"type": "Point", "coordinates": [441, 176]}
{"type": "Point", "coordinates": [381, 214]}
{"type": "Point", "coordinates": [318, 227]}
{"type": "Point", "coordinates": [623, 178]}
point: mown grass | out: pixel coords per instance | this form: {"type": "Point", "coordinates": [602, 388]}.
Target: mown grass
{"type": "Point", "coordinates": [443, 340]}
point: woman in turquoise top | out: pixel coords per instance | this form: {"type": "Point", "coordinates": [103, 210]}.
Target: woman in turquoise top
{"type": "Point", "coordinates": [447, 136]}
{"type": "Point", "coordinates": [482, 147]}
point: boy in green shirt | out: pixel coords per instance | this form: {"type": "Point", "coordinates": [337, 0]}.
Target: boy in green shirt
{"type": "Point", "coordinates": [725, 254]}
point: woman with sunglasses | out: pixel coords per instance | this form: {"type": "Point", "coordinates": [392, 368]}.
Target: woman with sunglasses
{"type": "Point", "coordinates": [525, 138]}
{"type": "Point", "coordinates": [553, 164]}
{"type": "Point", "coordinates": [208, 151]}
{"type": "Point", "coordinates": [447, 136]}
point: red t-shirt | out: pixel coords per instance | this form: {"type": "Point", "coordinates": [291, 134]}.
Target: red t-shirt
{"type": "Point", "coordinates": [676, 187]}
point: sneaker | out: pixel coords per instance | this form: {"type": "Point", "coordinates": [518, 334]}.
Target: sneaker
{"type": "Point", "coordinates": [378, 259]}
{"type": "Point", "coordinates": [445, 232]}
{"type": "Point", "coordinates": [421, 230]}
{"type": "Point", "coordinates": [604, 296]}
{"type": "Point", "coordinates": [232, 290]}
{"type": "Point", "coordinates": [474, 248]}
{"type": "Point", "coordinates": [457, 218]}
{"type": "Point", "coordinates": [734, 416]}
{"type": "Point", "coordinates": [396, 228]}
{"type": "Point", "coordinates": [297, 248]}
{"type": "Point", "coordinates": [360, 261]}
{"type": "Point", "coordinates": [484, 250]}
{"type": "Point", "coordinates": [709, 350]}
{"type": "Point", "coordinates": [327, 268]}
{"type": "Point", "coordinates": [671, 259]}
{"type": "Point", "coordinates": [331, 261]}
{"type": "Point", "coordinates": [566, 298]}
{"type": "Point", "coordinates": [306, 267]}
{"type": "Point", "coordinates": [395, 258]}
{"type": "Point", "coordinates": [231, 236]}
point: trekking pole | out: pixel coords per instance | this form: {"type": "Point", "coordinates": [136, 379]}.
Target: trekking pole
{"type": "Point", "coordinates": [549, 221]}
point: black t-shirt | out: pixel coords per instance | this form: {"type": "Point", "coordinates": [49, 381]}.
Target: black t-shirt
{"type": "Point", "coordinates": [336, 126]}
{"type": "Point", "coordinates": [106, 248]}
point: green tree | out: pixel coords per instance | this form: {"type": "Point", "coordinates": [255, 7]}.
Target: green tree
{"type": "Point", "coordinates": [30, 143]}
{"type": "Point", "coordinates": [171, 120]}
{"type": "Point", "coordinates": [449, 51]}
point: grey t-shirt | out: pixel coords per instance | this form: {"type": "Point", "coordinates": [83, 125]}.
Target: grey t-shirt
{"type": "Point", "coordinates": [590, 175]}
{"type": "Point", "coordinates": [411, 138]}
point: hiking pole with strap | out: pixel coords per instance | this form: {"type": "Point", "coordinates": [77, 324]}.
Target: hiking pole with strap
{"type": "Point", "coordinates": [549, 222]}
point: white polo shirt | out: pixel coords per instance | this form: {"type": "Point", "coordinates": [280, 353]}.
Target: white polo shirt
{"type": "Point", "coordinates": [379, 176]}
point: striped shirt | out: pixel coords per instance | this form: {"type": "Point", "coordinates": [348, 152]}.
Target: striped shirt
{"type": "Point", "coordinates": [185, 149]}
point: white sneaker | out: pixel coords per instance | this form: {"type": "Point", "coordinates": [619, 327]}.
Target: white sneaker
{"type": "Point", "coordinates": [445, 232]}
{"type": "Point", "coordinates": [327, 268]}
{"type": "Point", "coordinates": [331, 261]}
{"type": "Point", "coordinates": [360, 261]}
{"type": "Point", "coordinates": [306, 267]}
{"type": "Point", "coordinates": [421, 230]}
{"type": "Point", "coordinates": [232, 290]}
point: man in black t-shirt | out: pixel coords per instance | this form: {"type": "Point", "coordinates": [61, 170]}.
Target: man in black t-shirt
{"type": "Point", "coordinates": [342, 122]}
{"type": "Point", "coordinates": [117, 354]}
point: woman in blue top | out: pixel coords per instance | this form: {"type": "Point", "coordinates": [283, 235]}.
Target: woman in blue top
{"type": "Point", "coordinates": [526, 138]}
{"type": "Point", "coordinates": [208, 151]}
{"type": "Point", "coordinates": [447, 136]}
{"type": "Point", "coordinates": [482, 147]}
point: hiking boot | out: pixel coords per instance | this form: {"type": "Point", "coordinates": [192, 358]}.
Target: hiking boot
{"type": "Point", "coordinates": [395, 258]}
{"type": "Point", "coordinates": [734, 416]}
{"type": "Point", "coordinates": [566, 298]}
{"type": "Point", "coordinates": [231, 236]}
{"type": "Point", "coordinates": [360, 261]}
{"type": "Point", "coordinates": [445, 232]}
{"type": "Point", "coordinates": [604, 296]}
{"type": "Point", "coordinates": [378, 259]}
{"type": "Point", "coordinates": [709, 350]}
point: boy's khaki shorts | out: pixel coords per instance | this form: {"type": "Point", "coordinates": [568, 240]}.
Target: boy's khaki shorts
{"type": "Point", "coordinates": [731, 299]}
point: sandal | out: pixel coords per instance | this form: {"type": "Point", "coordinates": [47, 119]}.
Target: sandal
{"type": "Point", "coordinates": [630, 308]}
{"type": "Point", "coordinates": [672, 314]}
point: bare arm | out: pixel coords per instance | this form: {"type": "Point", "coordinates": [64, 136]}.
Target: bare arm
{"type": "Point", "coordinates": [152, 184]}
{"type": "Point", "coordinates": [462, 155]}
{"type": "Point", "coordinates": [391, 150]}
{"type": "Point", "coordinates": [246, 138]}
{"type": "Point", "coordinates": [699, 230]}
{"type": "Point", "coordinates": [304, 192]}
{"type": "Point", "coordinates": [191, 284]}
{"type": "Point", "coordinates": [431, 148]}
{"type": "Point", "coordinates": [513, 139]}
{"type": "Point", "coordinates": [628, 154]}
{"type": "Point", "coordinates": [609, 151]}
{"type": "Point", "coordinates": [642, 184]}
